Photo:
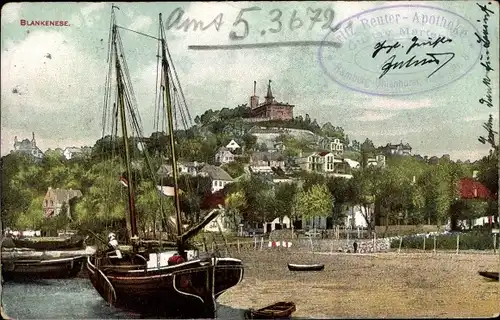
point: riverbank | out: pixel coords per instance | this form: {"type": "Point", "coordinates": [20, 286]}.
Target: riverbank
{"type": "Point", "coordinates": [369, 285]}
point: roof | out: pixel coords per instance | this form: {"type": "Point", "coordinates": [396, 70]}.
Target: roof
{"type": "Point", "coordinates": [216, 173]}
{"type": "Point", "coordinates": [223, 149]}
{"type": "Point", "coordinates": [323, 153]}
{"type": "Point", "coordinates": [232, 143]}
{"type": "Point", "coordinates": [401, 145]}
{"type": "Point", "coordinates": [470, 188]}
{"type": "Point", "coordinates": [352, 163]}
{"type": "Point", "coordinates": [61, 195]}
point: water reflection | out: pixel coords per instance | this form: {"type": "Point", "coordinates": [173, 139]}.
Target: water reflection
{"type": "Point", "coordinates": [70, 299]}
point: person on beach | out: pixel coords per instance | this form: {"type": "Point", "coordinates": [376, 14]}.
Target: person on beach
{"type": "Point", "coordinates": [355, 245]}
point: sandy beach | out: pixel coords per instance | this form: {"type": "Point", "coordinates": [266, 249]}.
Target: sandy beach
{"type": "Point", "coordinates": [379, 285]}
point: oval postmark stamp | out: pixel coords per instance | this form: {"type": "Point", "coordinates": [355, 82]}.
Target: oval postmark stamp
{"type": "Point", "coordinates": [400, 50]}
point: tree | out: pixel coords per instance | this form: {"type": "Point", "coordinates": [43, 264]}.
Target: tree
{"type": "Point", "coordinates": [257, 194]}
{"type": "Point", "coordinates": [363, 191]}
{"type": "Point", "coordinates": [315, 202]}
{"type": "Point", "coordinates": [234, 203]}
{"type": "Point", "coordinates": [339, 189]}
{"type": "Point", "coordinates": [284, 197]}
{"type": "Point", "coordinates": [249, 141]}
{"type": "Point", "coordinates": [367, 150]}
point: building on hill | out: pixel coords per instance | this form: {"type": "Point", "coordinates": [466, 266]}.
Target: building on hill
{"type": "Point", "coordinates": [333, 144]}
{"type": "Point", "coordinates": [220, 178]}
{"type": "Point", "coordinates": [270, 109]}
{"type": "Point", "coordinates": [378, 161]}
{"type": "Point", "coordinates": [188, 168]}
{"type": "Point", "coordinates": [397, 149]}
{"type": "Point", "coordinates": [321, 162]}
{"type": "Point", "coordinates": [57, 199]}
{"type": "Point", "coordinates": [265, 161]}
{"type": "Point", "coordinates": [224, 155]}
{"type": "Point", "coordinates": [74, 152]}
{"type": "Point", "coordinates": [28, 147]}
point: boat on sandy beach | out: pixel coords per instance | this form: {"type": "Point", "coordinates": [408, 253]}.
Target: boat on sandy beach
{"type": "Point", "coordinates": [278, 310]}
{"type": "Point", "coordinates": [305, 267]}
{"type": "Point", "coordinates": [184, 285]}
{"type": "Point", "coordinates": [489, 275]}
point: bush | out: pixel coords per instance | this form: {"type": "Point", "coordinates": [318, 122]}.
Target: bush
{"type": "Point", "coordinates": [468, 241]}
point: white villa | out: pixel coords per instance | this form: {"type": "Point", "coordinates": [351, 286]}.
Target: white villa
{"type": "Point", "coordinates": [282, 223]}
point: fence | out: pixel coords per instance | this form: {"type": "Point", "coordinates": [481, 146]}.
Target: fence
{"type": "Point", "coordinates": [455, 243]}
{"type": "Point", "coordinates": [307, 244]}
{"type": "Point", "coordinates": [465, 243]}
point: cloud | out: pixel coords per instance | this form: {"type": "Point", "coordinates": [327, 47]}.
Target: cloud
{"type": "Point", "coordinates": [90, 13]}
{"type": "Point", "coordinates": [476, 118]}
{"type": "Point", "coordinates": [397, 104]}
{"type": "Point", "coordinates": [380, 109]}
{"type": "Point", "coordinates": [11, 12]}
{"type": "Point", "coordinates": [470, 154]}
{"type": "Point", "coordinates": [45, 71]}
{"type": "Point", "coordinates": [49, 86]}
{"type": "Point", "coordinates": [374, 116]}
{"type": "Point", "coordinates": [141, 23]}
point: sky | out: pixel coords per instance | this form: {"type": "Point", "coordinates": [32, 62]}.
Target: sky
{"type": "Point", "coordinates": [60, 98]}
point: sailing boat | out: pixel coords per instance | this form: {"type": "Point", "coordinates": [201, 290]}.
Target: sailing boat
{"type": "Point", "coordinates": [128, 280]}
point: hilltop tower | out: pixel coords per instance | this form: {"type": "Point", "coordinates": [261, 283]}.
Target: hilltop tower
{"type": "Point", "coordinates": [270, 109]}
{"type": "Point", "coordinates": [269, 96]}
{"type": "Point", "coordinates": [33, 141]}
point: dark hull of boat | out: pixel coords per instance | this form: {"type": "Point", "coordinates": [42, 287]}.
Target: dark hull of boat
{"type": "Point", "coordinates": [310, 267]}
{"type": "Point", "coordinates": [42, 269]}
{"type": "Point", "coordinates": [54, 244]}
{"type": "Point", "coordinates": [165, 291]}
{"type": "Point", "coordinates": [489, 275]}
{"type": "Point", "coordinates": [280, 310]}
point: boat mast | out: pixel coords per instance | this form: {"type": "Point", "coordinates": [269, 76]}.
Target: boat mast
{"type": "Point", "coordinates": [168, 104]}
{"type": "Point", "coordinates": [121, 104]}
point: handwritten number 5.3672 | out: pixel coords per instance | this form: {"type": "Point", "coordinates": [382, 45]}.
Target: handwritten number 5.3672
{"type": "Point", "coordinates": [276, 19]}
{"type": "Point", "coordinates": [239, 19]}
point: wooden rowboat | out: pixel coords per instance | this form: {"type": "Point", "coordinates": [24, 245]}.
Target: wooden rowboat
{"type": "Point", "coordinates": [305, 267]}
{"type": "Point", "coordinates": [279, 310]}
{"type": "Point", "coordinates": [51, 243]}
{"type": "Point", "coordinates": [489, 275]}
{"type": "Point", "coordinates": [42, 269]}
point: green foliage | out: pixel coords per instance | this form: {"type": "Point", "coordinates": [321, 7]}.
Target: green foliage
{"type": "Point", "coordinates": [468, 241]}
{"type": "Point", "coordinates": [317, 201]}
{"type": "Point", "coordinates": [339, 189]}
{"type": "Point", "coordinates": [284, 198]}
{"type": "Point", "coordinates": [488, 171]}
{"type": "Point", "coordinates": [235, 169]}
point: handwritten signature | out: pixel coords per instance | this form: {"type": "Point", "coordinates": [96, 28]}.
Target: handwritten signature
{"type": "Point", "coordinates": [486, 63]}
{"type": "Point", "coordinates": [437, 58]}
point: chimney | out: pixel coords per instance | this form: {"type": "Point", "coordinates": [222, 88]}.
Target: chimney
{"type": "Point", "coordinates": [254, 100]}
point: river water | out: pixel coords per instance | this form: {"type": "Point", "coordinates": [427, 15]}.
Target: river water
{"type": "Point", "coordinates": [70, 299]}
